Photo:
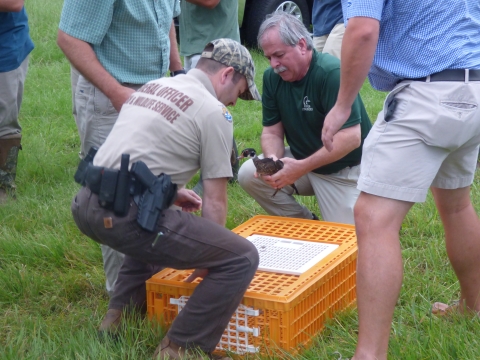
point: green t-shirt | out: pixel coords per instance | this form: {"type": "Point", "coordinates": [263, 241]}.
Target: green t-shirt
{"type": "Point", "coordinates": [199, 25]}
{"type": "Point", "coordinates": [302, 105]}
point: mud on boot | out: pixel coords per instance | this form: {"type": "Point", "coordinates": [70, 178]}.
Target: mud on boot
{"type": "Point", "coordinates": [9, 147]}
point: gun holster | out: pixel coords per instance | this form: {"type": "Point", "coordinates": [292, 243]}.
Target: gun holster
{"type": "Point", "coordinates": [114, 188]}
{"type": "Point", "coordinates": [160, 193]}
{"type": "Point", "coordinates": [82, 170]}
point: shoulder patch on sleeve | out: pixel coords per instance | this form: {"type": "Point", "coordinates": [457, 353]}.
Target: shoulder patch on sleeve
{"type": "Point", "coordinates": [226, 114]}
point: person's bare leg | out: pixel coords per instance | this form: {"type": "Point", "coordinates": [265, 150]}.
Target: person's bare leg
{"type": "Point", "coordinates": [462, 236]}
{"type": "Point", "coordinates": [379, 271]}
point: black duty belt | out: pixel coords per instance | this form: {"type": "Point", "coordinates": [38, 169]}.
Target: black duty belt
{"type": "Point", "coordinates": [115, 188]}
{"type": "Point", "coordinates": [451, 75]}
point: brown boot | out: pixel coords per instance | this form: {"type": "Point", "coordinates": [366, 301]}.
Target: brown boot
{"type": "Point", "coordinates": [3, 196]}
{"type": "Point", "coordinates": [168, 350]}
{"type": "Point", "coordinates": [110, 323]}
{"type": "Point", "coordinates": [9, 147]}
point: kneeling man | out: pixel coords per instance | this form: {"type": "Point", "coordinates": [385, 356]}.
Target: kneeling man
{"type": "Point", "coordinates": [299, 90]}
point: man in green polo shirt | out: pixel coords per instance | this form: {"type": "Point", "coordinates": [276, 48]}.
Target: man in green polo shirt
{"type": "Point", "coordinates": [299, 90]}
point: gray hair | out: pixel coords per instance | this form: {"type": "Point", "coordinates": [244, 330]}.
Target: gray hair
{"type": "Point", "coordinates": [290, 29]}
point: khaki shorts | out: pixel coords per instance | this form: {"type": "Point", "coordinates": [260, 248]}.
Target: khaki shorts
{"type": "Point", "coordinates": [331, 43]}
{"type": "Point", "coordinates": [427, 134]}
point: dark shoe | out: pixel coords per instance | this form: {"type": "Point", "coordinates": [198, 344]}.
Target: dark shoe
{"type": "Point", "coordinates": [219, 357]}
{"type": "Point", "coordinates": [169, 350]}
{"type": "Point", "coordinates": [110, 324]}
{"type": "Point", "coordinates": [7, 195]}
{"type": "Point", "coordinates": [314, 217]}
{"type": "Point", "coordinates": [3, 196]}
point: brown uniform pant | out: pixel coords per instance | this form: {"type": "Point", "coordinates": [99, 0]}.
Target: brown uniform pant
{"type": "Point", "coordinates": [188, 242]}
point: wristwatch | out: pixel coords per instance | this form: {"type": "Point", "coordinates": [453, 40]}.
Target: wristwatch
{"type": "Point", "coordinates": [177, 72]}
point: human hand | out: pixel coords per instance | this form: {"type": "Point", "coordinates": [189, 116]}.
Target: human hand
{"type": "Point", "coordinates": [291, 172]}
{"type": "Point", "coordinates": [120, 96]}
{"type": "Point", "coordinates": [197, 273]}
{"type": "Point", "coordinates": [333, 122]}
{"type": "Point", "coordinates": [188, 200]}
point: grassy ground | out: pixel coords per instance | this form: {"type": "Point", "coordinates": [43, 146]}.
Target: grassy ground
{"type": "Point", "coordinates": [52, 295]}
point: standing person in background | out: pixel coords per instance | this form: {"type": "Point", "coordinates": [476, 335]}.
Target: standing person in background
{"type": "Point", "coordinates": [328, 27]}
{"type": "Point", "coordinates": [427, 54]}
{"type": "Point", "coordinates": [114, 49]}
{"type": "Point", "coordinates": [15, 46]}
{"type": "Point", "coordinates": [202, 21]}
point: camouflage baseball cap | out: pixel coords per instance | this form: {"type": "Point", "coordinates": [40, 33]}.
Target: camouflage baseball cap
{"type": "Point", "coordinates": [231, 53]}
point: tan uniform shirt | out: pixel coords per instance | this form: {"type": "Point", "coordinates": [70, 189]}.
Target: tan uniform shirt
{"type": "Point", "coordinates": [176, 126]}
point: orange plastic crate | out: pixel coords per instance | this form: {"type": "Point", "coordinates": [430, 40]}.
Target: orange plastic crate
{"type": "Point", "coordinates": [291, 309]}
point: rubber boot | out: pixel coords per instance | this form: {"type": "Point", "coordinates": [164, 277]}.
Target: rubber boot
{"type": "Point", "coordinates": [9, 147]}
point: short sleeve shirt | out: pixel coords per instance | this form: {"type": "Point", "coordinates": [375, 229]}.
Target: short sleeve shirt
{"type": "Point", "coordinates": [176, 126]}
{"type": "Point", "coordinates": [302, 106]}
{"type": "Point", "coordinates": [15, 42]}
{"type": "Point", "coordinates": [130, 37]}
{"type": "Point", "coordinates": [199, 25]}
{"type": "Point", "coordinates": [325, 15]}
{"type": "Point", "coordinates": [420, 38]}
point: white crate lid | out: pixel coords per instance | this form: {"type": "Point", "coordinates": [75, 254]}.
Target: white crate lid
{"type": "Point", "coordinates": [289, 256]}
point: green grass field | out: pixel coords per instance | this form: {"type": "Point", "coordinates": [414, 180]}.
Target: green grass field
{"type": "Point", "coordinates": [52, 295]}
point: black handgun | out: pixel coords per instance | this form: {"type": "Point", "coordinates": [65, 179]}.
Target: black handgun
{"type": "Point", "coordinates": [159, 195]}
{"type": "Point", "coordinates": [81, 173]}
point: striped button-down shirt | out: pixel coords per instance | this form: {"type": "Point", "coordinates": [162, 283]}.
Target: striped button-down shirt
{"type": "Point", "coordinates": [420, 37]}
{"type": "Point", "coordinates": [130, 37]}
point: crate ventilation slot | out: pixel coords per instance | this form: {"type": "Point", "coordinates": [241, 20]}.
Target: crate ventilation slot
{"type": "Point", "coordinates": [235, 337]}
